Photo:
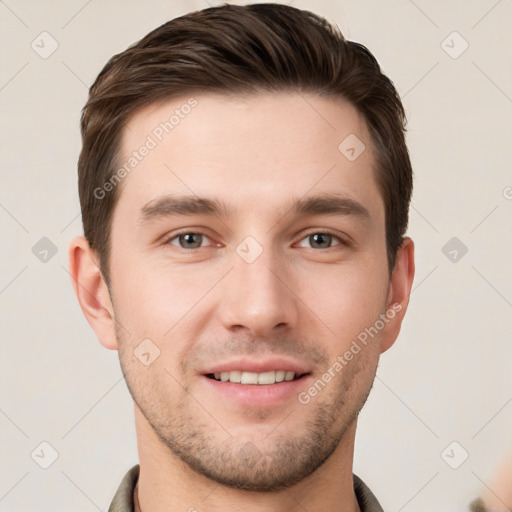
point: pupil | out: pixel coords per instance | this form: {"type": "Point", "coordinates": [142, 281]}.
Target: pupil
{"type": "Point", "coordinates": [188, 239]}
{"type": "Point", "coordinates": [320, 239]}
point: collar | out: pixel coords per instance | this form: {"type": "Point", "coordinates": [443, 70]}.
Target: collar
{"type": "Point", "coordinates": [126, 500]}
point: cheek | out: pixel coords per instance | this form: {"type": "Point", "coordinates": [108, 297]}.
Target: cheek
{"type": "Point", "coordinates": [348, 299]}
{"type": "Point", "coordinates": [158, 300]}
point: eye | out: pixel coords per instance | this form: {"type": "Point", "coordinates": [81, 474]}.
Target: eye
{"type": "Point", "coordinates": [189, 240]}
{"type": "Point", "coordinates": [321, 240]}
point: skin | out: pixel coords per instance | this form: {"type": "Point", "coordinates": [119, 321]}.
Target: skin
{"type": "Point", "coordinates": [303, 299]}
{"type": "Point", "coordinates": [497, 495]}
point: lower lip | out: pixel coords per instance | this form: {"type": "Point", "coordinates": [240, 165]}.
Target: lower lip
{"type": "Point", "coordinates": [258, 395]}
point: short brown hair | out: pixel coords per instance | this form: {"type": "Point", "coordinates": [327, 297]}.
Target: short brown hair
{"type": "Point", "coordinates": [240, 50]}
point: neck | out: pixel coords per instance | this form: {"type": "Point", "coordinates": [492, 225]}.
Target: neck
{"type": "Point", "coordinates": [167, 483]}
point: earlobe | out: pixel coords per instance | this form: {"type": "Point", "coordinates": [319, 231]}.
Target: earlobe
{"type": "Point", "coordinates": [399, 291]}
{"type": "Point", "coordinates": [92, 291]}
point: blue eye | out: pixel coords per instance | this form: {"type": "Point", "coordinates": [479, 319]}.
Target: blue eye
{"type": "Point", "coordinates": [321, 240]}
{"type": "Point", "coordinates": [195, 240]}
{"type": "Point", "coordinates": [189, 240]}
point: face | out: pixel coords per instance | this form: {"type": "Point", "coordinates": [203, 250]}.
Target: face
{"type": "Point", "coordinates": [248, 256]}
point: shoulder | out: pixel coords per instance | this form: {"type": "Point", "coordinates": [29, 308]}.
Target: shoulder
{"type": "Point", "coordinates": [365, 498]}
{"type": "Point", "coordinates": [123, 499]}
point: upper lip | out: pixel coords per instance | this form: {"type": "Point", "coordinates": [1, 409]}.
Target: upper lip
{"type": "Point", "coordinates": [250, 364]}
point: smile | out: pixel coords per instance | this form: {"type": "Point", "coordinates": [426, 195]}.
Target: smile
{"type": "Point", "coordinates": [264, 378]}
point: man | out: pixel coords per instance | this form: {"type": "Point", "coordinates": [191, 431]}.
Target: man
{"type": "Point", "coordinates": [276, 149]}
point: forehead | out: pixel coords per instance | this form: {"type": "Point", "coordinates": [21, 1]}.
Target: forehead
{"type": "Point", "coordinates": [254, 152]}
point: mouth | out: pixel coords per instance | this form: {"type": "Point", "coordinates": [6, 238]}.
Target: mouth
{"type": "Point", "coordinates": [250, 382]}
{"type": "Point", "coordinates": [256, 379]}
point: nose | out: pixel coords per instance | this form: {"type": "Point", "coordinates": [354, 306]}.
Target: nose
{"type": "Point", "coordinates": [258, 297]}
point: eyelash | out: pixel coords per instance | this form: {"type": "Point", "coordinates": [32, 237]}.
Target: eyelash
{"type": "Point", "coordinates": [324, 232]}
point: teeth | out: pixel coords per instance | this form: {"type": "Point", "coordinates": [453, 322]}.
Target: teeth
{"type": "Point", "coordinates": [249, 378]}
{"type": "Point", "coordinates": [289, 376]}
{"type": "Point", "coordinates": [263, 378]}
{"type": "Point", "coordinates": [235, 376]}
{"type": "Point", "coordinates": [267, 378]}
{"type": "Point", "coordinates": [280, 375]}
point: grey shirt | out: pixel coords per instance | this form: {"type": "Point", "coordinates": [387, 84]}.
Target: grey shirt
{"type": "Point", "coordinates": [124, 499]}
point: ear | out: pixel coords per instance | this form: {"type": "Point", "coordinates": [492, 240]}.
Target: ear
{"type": "Point", "coordinates": [399, 291]}
{"type": "Point", "coordinates": [92, 291]}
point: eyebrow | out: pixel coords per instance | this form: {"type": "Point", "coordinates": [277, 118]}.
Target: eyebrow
{"type": "Point", "coordinates": [323, 204]}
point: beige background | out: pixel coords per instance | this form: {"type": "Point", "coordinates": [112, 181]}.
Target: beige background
{"type": "Point", "coordinates": [448, 378]}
